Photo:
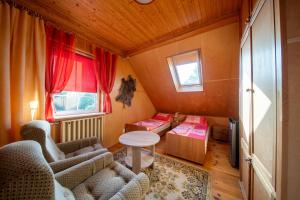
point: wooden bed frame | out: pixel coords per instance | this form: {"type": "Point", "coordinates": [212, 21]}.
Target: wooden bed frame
{"type": "Point", "coordinates": [186, 147]}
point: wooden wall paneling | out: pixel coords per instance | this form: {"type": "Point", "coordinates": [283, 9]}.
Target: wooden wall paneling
{"type": "Point", "coordinates": [84, 46]}
{"type": "Point", "coordinates": [219, 48]}
{"type": "Point", "coordinates": [141, 108]}
{"type": "Point", "coordinates": [291, 97]}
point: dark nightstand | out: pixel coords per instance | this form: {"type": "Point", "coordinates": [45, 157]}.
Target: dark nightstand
{"type": "Point", "coordinates": [177, 119]}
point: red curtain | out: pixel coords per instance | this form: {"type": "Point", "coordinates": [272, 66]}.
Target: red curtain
{"type": "Point", "coordinates": [105, 67]}
{"type": "Point", "coordinates": [59, 64]}
{"type": "Point", "coordinates": [83, 77]}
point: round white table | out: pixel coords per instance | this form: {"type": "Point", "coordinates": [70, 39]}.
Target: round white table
{"type": "Point", "coordinates": [137, 157]}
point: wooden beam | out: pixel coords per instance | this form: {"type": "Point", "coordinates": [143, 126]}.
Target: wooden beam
{"type": "Point", "coordinates": [184, 32]}
{"type": "Point", "coordinates": [70, 25]}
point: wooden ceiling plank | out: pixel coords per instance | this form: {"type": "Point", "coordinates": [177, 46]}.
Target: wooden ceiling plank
{"type": "Point", "coordinates": [190, 11]}
{"type": "Point", "coordinates": [138, 27]}
{"type": "Point", "coordinates": [185, 33]}
{"type": "Point", "coordinates": [119, 36]}
{"type": "Point", "coordinates": [198, 10]}
{"type": "Point", "coordinates": [179, 10]}
{"type": "Point", "coordinates": [203, 10]}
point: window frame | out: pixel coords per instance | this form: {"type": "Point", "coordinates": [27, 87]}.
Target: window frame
{"type": "Point", "coordinates": [175, 76]}
{"type": "Point", "coordinates": [73, 113]}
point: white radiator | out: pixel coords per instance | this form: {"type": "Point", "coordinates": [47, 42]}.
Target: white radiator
{"type": "Point", "coordinates": [81, 128]}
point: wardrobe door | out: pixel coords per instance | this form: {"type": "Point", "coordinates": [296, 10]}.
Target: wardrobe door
{"type": "Point", "coordinates": [264, 103]}
{"type": "Point", "coordinates": [245, 113]}
{"type": "Point", "coordinates": [245, 14]}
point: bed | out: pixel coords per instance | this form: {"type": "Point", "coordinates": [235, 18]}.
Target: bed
{"type": "Point", "coordinates": [159, 123]}
{"type": "Point", "coordinates": [189, 139]}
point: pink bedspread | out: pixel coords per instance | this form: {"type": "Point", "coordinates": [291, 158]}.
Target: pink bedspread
{"type": "Point", "coordinates": [150, 124]}
{"type": "Point", "coordinates": [191, 130]}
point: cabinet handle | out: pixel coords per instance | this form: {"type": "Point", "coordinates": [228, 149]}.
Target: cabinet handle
{"type": "Point", "coordinates": [249, 160]}
{"type": "Point", "coordinates": [248, 20]}
{"type": "Point", "coordinates": [249, 90]}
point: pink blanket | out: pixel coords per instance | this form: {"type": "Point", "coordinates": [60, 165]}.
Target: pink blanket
{"type": "Point", "coordinates": [150, 124]}
{"type": "Point", "coordinates": [190, 130]}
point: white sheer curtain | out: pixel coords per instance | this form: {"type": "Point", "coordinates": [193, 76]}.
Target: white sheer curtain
{"type": "Point", "coordinates": [22, 69]}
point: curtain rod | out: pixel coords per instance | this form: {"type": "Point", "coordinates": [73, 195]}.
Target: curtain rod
{"type": "Point", "coordinates": [22, 7]}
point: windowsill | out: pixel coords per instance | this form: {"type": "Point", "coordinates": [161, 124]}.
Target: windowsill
{"type": "Point", "coordinates": [77, 116]}
{"type": "Point", "coordinates": [197, 88]}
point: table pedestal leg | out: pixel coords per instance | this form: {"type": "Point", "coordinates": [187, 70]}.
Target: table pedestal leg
{"type": "Point", "coordinates": [136, 159]}
{"type": "Point", "coordinates": [152, 149]}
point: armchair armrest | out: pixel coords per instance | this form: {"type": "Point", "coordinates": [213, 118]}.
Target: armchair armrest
{"type": "Point", "coordinates": [135, 189]}
{"type": "Point", "coordinates": [69, 162]}
{"type": "Point", "coordinates": [69, 147]}
{"type": "Point", "coordinates": [75, 175]}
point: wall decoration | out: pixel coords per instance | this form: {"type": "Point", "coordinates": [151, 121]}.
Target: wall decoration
{"type": "Point", "coordinates": [126, 91]}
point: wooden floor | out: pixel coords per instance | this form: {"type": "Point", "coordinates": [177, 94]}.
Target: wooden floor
{"type": "Point", "coordinates": [225, 179]}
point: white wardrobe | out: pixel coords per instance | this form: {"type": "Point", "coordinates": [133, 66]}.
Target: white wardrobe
{"type": "Point", "coordinates": [259, 101]}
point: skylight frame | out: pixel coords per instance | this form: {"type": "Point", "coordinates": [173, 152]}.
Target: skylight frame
{"type": "Point", "coordinates": [175, 76]}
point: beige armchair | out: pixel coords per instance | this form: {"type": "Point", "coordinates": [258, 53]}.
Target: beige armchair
{"type": "Point", "coordinates": [25, 174]}
{"type": "Point", "coordinates": [63, 155]}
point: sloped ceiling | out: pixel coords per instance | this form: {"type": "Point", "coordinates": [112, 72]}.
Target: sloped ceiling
{"type": "Point", "coordinates": [125, 26]}
{"type": "Point", "coordinates": [219, 51]}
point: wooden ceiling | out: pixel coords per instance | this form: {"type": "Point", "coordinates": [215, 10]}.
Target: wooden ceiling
{"type": "Point", "coordinates": [125, 26]}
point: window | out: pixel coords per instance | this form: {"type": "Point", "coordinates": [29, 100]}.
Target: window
{"type": "Point", "coordinates": [68, 103]}
{"type": "Point", "coordinates": [186, 71]}
{"type": "Point", "coordinates": [80, 95]}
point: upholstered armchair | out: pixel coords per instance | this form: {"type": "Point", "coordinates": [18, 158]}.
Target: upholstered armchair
{"type": "Point", "coordinates": [63, 155]}
{"type": "Point", "coordinates": [25, 174]}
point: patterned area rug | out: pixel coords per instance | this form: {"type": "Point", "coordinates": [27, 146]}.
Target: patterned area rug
{"type": "Point", "coordinates": [172, 179]}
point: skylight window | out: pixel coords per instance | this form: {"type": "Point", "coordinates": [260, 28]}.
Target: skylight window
{"type": "Point", "coordinates": [186, 71]}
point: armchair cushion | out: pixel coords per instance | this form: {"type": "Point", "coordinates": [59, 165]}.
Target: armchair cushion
{"type": "Point", "coordinates": [71, 146]}
{"type": "Point", "coordinates": [83, 170]}
{"type": "Point", "coordinates": [115, 180]}
{"type": "Point", "coordinates": [84, 150]}
{"type": "Point", "coordinates": [69, 162]}
{"type": "Point", "coordinates": [135, 189]}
